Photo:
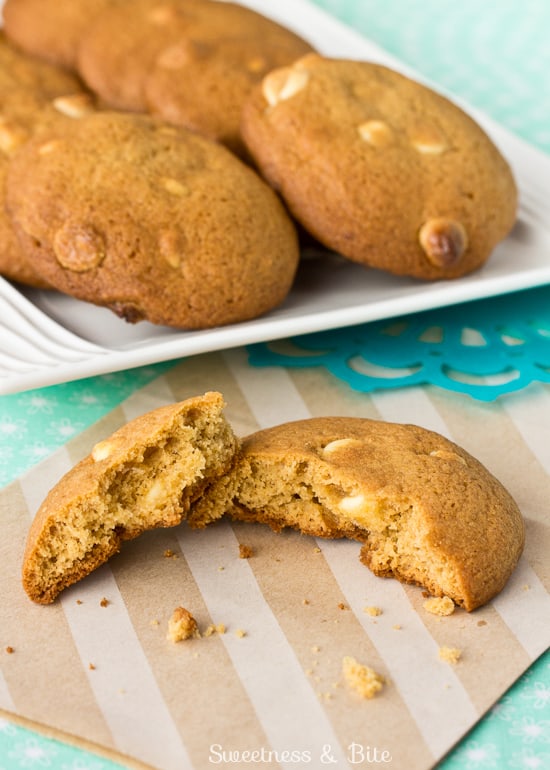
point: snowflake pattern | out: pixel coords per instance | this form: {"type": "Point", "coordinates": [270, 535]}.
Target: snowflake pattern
{"type": "Point", "coordinates": [32, 752]}
{"type": "Point", "coordinates": [26, 751]}
{"type": "Point", "coordinates": [532, 730]}
{"type": "Point", "coordinates": [539, 695]}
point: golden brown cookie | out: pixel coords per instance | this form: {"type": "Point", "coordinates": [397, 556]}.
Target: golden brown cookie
{"type": "Point", "coordinates": [380, 168]}
{"type": "Point", "coordinates": [33, 96]}
{"type": "Point", "coordinates": [152, 221]}
{"type": "Point", "coordinates": [51, 29]}
{"type": "Point", "coordinates": [143, 476]}
{"type": "Point", "coordinates": [116, 72]}
{"type": "Point", "coordinates": [202, 80]}
{"type": "Point", "coordinates": [425, 510]}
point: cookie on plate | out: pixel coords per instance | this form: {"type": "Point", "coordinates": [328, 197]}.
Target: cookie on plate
{"type": "Point", "coordinates": [152, 221]}
{"type": "Point", "coordinates": [381, 168]}
{"type": "Point", "coordinates": [145, 475]}
{"type": "Point", "coordinates": [426, 511]}
{"type": "Point", "coordinates": [202, 80]}
{"type": "Point", "coordinates": [33, 96]}
{"type": "Point", "coordinates": [116, 72]}
{"type": "Point", "coordinates": [50, 29]}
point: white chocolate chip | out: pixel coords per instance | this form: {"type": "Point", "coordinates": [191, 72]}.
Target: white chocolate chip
{"type": "Point", "coordinates": [283, 84]}
{"type": "Point", "coordinates": [156, 493]}
{"type": "Point", "coordinates": [341, 443]}
{"type": "Point", "coordinates": [162, 15]}
{"type": "Point", "coordinates": [174, 187]}
{"type": "Point", "coordinates": [353, 505]}
{"type": "Point", "coordinates": [429, 140]}
{"type": "Point", "coordinates": [376, 133]}
{"type": "Point", "coordinates": [48, 147]}
{"type": "Point", "coordinates": [430, 148]}
{"type": "Point", "coordinates": [443, 240]}
{"type": "Point", "coordinates": [11, 136]}
{"type": "Point", "coordinates": [256, 64]}
{"type": "Point", "coordinates": [446, 454]}
{"type": "Point", "coordinates": [171, 247]}
{"type": "Point", "coordinates": [79, 247]}
{"type": "Point", "coordinates": [174, 57]}
{"type": "Point", "coordinates": [74, 105]}
{"type": "Point", "coordinates": [102, 451]}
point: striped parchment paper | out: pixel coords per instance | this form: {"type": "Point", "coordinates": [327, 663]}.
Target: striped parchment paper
{"type": "Point", "coordinates": [105, 673]}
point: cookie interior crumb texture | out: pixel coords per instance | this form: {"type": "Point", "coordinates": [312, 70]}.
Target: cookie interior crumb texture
{"type": "Point", "coordinates": [144, 476]}
{"type": "Point", "coordinates": [182, 625]}
{"type": "Point", "coordinates": [450, 654]}
{"type": "Point", "coordinates": [439, 605]}
{"type": "Point", "coordinates": [425, 510]}
{"type": "Point", "coordinates": [362, 679]}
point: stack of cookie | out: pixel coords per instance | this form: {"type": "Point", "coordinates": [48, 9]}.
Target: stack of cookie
{"type": "Point", "coordinates": [160, 155]}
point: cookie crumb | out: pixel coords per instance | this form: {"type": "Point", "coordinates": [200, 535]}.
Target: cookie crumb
{"type": "Point", "coordinates": [169, 554]}
{"type": "Point", "coordinates": [212, 629]}
{"type": "Point", "coordinates": [315, 648]}
{"type": "Point", "coordinates": [372, 611]}
{"type": "Point", "coordinates": [397, 627]}
{"type": "Point", "coordinates": [342, 606]}
{"type": "Point", "coordinates": [79, 601]}
{"type": "Point", "coordinates": [182, 625]}
{"type": "Point", "coordinates": [316, 549]}
{"type": "Point", "coordinates": [104, 602]}
{"type": "Point", "coordinates": [245, 551]}
{"type": "Point", "coordinates": [91, 666]}
{"type": "Point", "coordinates": [450, 654]}
{"type": "Point", "coordinates": [481, 622]}
{"type": "Point", "coordinates": [155, 622]}
{"type": "Point", "coordinates": [362, 679]}
{"type": "Point", "coordinates": [10, 650]}
{"type": "Point", "coordinates": [240, 633]}
{"type": "Point", "coordinates": [305, 602]}
{"type": "Point", "coordinates": [436, 605]}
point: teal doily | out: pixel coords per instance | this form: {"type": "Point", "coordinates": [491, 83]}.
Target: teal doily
{"type": "Point", "coordinates": [484, 348]}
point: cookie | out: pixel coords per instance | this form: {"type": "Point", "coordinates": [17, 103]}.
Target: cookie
{"type": "Point", "coordinates": [50, 29]}
{"type": "Point", "coordinates": [380, 168]}
{"type": "Point", "coordinates": [33, 96]}
{"type": "Point", "coordinates": [117, 72]}
{"type": "Point", "coordinates": [425, 510]}
{"type": "Point", "coordinates": [145, 475]}
{"type": "Point", "coordinates": [203, 80]}
{"type": "Point", "coordinates": [152, 221]}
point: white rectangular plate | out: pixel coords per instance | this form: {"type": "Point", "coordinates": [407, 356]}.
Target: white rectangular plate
{"type": "Point", "coordinates": [47, 338]}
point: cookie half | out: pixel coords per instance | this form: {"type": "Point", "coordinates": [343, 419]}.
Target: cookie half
{"type": "Point", "coordinates": [380, 168]}
{"type": "Point", "coordinates": [426, 511]}
{"type": "Point", "coordinates": [152, 221]}
{"type": "Point", "coordinates": [145, 475]}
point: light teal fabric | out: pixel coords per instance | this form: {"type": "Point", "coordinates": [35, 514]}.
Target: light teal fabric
{"type": "Point", "coordinates": [494, 54]}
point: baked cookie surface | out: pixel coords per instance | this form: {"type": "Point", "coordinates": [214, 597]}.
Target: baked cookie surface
{"type": "Point", "coordinates": [202, 80]}
{"type": "Point", "coordinates": [152, 221]}
{"type": "Point", "coordinates": [33, 96]}
{"type": "Point", "coordinates": [380, 168]}
{"type": "Point", "coordinates": [50, 29]}
{"type": "Point", "coordinates": [117, 72]}
{"type": "Point", "coordinates": [425, 510]}
{"type": "Point", "coordinates": [143, 476]}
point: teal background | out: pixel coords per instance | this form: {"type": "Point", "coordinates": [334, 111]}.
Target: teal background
{"type": "Point", "coordinates": [495, 56]}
